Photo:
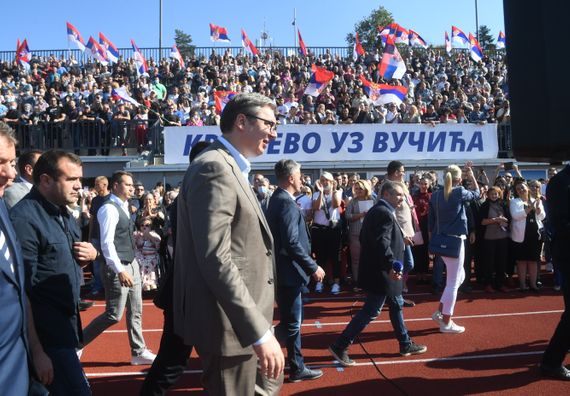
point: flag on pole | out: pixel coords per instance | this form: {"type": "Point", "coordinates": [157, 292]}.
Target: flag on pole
{"type": "Point", "coordinates": [302, 47]}
{"type": "Point", "coordinates": [140, 61]}
{"type": "Point", "coordinates": [111, 50]}
{"type": "Point", "coordinates": [416, 40]}
{"type": "Point", "coordinates": [175, 53]}
{"type": "Point", "coordinates": [246, 43]}
{"type": "Point", "coordinates": [358, 49]}
{"type": "Point", "coordinates": [120, 93]}
{"type": "Point", "coordinates": [218, 33]}
{"type": "Point", "coordinates": [458, 37]}
{"type": "Point", "coordinates": [318, 81]}
{"type": "Point", "coordinates": [388, 30]}
{"type": "Point", "coordinates": [392, 64]}
{"type": "Point", "coordinates": [23, 54]}
{"type": "Point", "coordinates": [501, 43]}
{"type": "Point", "coordinates": [221, 98]}
{"type": "Point", "coordinates": [18, 44]}
{"type": "Point", "coordinates": [475, 49]}
{"type": "Point", "coordinates": [74, 37]}
{"type": "Point", "coordinates": [402, 35]}
{"type": "Point", "coordinates": [381, 94]}
{"type": "Point", "coordinates": [96, 51]}
{"type": "Point", "coordinates": [447, 43]}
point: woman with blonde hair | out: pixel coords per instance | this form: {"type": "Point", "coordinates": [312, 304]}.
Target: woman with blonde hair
{"type": "Point", "coordinates": [447, 218]}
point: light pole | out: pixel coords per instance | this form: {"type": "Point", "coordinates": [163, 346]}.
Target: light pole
{"type": "Point", "coordinates": [476, 22]}
{"type": "Point", "coordinates": [159, 29]}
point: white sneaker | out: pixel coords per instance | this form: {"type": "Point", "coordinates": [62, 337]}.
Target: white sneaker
{"type": "Point", "coordinates": [451, 328]}
{"type": "Point", "coordinates": [438, 318]}
{"type": "Point", "coordinates": [145, 358]}
{"type": "Point", "coordinates": [319, 287]}
{"type": "Point", "coordinates": [335, 289]}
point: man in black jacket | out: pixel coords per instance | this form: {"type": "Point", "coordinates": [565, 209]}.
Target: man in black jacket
{"type": "Point", "coordinates": [382, 245]}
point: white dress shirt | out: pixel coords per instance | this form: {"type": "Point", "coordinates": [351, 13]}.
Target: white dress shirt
{"type": "Point", "coordinates": [243, 163]}
{"type": "Point", "coordinates": [108, 217]}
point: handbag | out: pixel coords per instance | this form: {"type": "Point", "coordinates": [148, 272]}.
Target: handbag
{"type": "Point", "coordinates": [441, 244]}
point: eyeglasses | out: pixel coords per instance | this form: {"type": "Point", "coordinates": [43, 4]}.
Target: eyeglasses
{"type": "Point", "coordinates": [146, 225]}
{"type": "Point", "coordinates": [272, 125]}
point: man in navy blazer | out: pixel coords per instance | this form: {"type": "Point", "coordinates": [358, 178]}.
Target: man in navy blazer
{"type": "Point", "coordinates": [558, 223]}
{"type": "Point", "coordinates": [294, 264]}
{"type": "Point", "coordinates": [382, 245]}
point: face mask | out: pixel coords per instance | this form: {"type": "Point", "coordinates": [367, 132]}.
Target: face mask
{"type": "Point", "coordinates": [308, 182]}
{"type": "Point", "coordinates": [262, 189]}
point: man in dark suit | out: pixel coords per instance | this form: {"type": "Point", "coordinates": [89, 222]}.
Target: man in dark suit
{"type": "Point", "coordinates": [223, 264]}
{"type": "Point", "coordinates": [382, 245]}
{"type": "Point", "coordinates": [558, 215]}
{"type": "Point", "coordinates": [294, 264]}
{"type": "Point", "coordinates": [24, 182]}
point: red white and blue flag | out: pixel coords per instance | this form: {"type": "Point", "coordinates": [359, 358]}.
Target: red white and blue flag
{"type": "Point", "coordinates": [120, 93]}
{"type": "Point", "coordinates": [302, 47]}
{"type": "Point", "coordinates": [319, 80]}
{"type": "Point", "coordinates": [23, 54]}
{"type": "Point", "coordinates": [221, 98]}
{"type": "Point", "coordinates": [392, 64]}
{"type": "Point", "coordinates": [218, 33]}
{"type": "Point", "coordinates": [74, 37]}
{"type": "Point", "coordinates": [402, 35]}
{"type": "Point", "coordinates": [381, 94]}
{"type": "Point", "coordinates": [246, 43]}
{"type": "Point", "coordinates": [475, 50]}
{"type": "Point", "coordinates": [96, 51]}
{"type": "Point", "coordinates": [501, 42]}
{"type": "Point", "coordinates": [358, 49]}
{"type": "Point", "coordinates": [175, 53]}
{"type": "Point", "coordinates": [458, 37]}
{"type": "Point", "coordinates": [140, 61]}
{"type": "Point", "coordinates": [388, 30]}
{"type": "Point", "coordinates": [447, 43]}
{"type": "Point", "coordinates": [416, 40]}
{"type": "Point", "coordinates": [110, 49]}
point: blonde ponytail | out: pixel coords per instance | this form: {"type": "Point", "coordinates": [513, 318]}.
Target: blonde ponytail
{"type": "Point", "coordinates": [452, 173]}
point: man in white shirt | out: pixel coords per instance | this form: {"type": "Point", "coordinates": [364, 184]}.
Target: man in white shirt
{"type": "Point", "coordinates": [121, 275]}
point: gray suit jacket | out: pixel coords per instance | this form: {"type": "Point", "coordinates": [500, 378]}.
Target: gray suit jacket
{"type": "Point", "coordinates": [224, 264]}
{"type": "Point", "coordinates": [15, 193]}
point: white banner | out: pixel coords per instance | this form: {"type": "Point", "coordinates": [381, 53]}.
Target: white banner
{"type": "Point", "coordinates": [354, 142]}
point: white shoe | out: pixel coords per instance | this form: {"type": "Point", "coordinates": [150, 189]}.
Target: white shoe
{"type": "Point", "coordinates": [451, 328]}
{"type": "Point", "coordinates": [335, 289]}
{"type": "Point", "coordinates": [145, 358]}
{"type": "Point", "coordinates": [79, 352]}
{"type": "Point", "coordinates": [438, 318]}
{"type": "Point", "coordinates": [319, 287]}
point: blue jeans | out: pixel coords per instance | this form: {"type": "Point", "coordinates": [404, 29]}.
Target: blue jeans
{"type": "Point", "coordinates": [408, 259]}
{"type": "Point", "coordinates": [97, 285]}
{"type": "Point", "coordinates": [68, 375]}
{"type": "Point", "coordinates": [290, 306]}
{"type": "Point", "coordinates": [370, 311]}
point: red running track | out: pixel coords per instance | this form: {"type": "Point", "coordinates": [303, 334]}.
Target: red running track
{"type": "Point", "coordinates": [505, 336]}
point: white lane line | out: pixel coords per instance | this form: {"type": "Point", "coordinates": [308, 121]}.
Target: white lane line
{"type": "Point", "coordinates": [320, 324]}
{"type": "Point", "coordinates": [362, 363]}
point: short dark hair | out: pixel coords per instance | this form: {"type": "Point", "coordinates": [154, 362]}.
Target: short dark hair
{"type": "Point", "coordinates": [117, 176]}
{"type": "Point", "coordinates": [388, 187]}
{"type": "Point", "coordinates": [197, 149]}
{"type": "Point", "coordinates": [48, 164]}
{"type": "Point", "coordinates": [285, 168]}
{"type": "Point", "coordinates": [27, 158]}
{"type": "Point", "coordinates": [393, 166]}
{"type": "Point", "coordinates": [244, 103]}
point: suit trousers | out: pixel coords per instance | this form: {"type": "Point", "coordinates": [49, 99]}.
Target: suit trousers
{"type": "Point", "coordinates": [117, 298]}
{"type": "Point", "coordinates": [236, 376]}
{"type": "Point", "coordinates": [560, 343]}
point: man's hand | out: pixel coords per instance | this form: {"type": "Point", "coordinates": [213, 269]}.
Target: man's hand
{"type": "Point", "coordinates": [125, 279]}
{"type": "Point", "coordinates": [395, 275]}
{"type": "Point", "coordinates": [408, 241]}
{"type": "Point", "coordinates": [43, 367]}
{"type": "Point", "coordinates": [271, 358]}
{"type": "Point", "coordinates": [319, 274]}
{"type": "Point", "coordinates": [84, 251]}
{"type": "Point", "coordinates": [318, 186]}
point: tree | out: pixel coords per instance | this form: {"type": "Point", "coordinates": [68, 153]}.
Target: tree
{"type": "Point", "coordinates": [183, 42]}
{"type": "Point", "coordinates": [367, 28]}
{"type": "Point", "coordinates": [485, 38]}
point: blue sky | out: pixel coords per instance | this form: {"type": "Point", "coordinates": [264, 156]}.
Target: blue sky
{"type": "Point", "coordinates": [43, 22]}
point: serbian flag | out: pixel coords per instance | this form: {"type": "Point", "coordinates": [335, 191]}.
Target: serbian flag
{"type": "Point", "coordinates": [246, 43]}
{"type": "Point", "coordinates": [402, 35]}
{"type": "Point", "coordinates": [23, 54]}
{"type": "Point", "coordinates": [175, 53]}
{"type": "Point", "coordinates": [120, 93]}
{"type": "Point", "coordinates": [358, 49]}
{"type": "Point", "coordinates": [302, 47]}
{"type": "Point", "coordinates": [416, 40]}
{"type": "Point", "coordinates": [319, 80]}
{"type": "Point", "coordinates": [74, 37]}
{"type": "Point", "coordinates": [392, 64]}
{"type": "Point", "coordinates": [447, 43]}
{"type": "Point", "coordinates": [221, 98]}
{"type": "Point", "coordinates": [218, 33]}
{"type": "Point", "coordinates": [458, 37]}
{"type": "Point", "coordinates": [111, 50]}
{"type": "Point", "coordinates": [501, 43]}
{"type": "Point", "coordinates": [388, 30]}
{"type": "Point", "coordinates": [475, 49]}
{"type": "Point", "coordinates": [97, 52]}
{"type": "Point", "coordinates": [140, 61]}
{"type": "Point", "coordinates": [381, 94]}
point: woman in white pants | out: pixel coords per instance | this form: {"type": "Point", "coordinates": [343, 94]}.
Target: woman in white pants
{"type": "Point", "coordinates": [447, 216]}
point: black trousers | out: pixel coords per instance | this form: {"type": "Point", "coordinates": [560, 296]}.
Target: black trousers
{"type": "Point", "coordinates": [170, 361]}
{"type": "Point", "coordinates": [325, 242]}
{"type": "Point", "coordinates": [560, 343]}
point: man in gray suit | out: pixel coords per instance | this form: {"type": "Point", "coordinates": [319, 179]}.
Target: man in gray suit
{"type": "Point", "coordinates": [224, 261]}
{"type": "Point", "coordinates": [24, 182]}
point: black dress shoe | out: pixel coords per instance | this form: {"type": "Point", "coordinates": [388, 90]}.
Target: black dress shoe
{"type": "Point", "coordinates": [409, 303]}
{"type": "Point", "coordinates": [84, 305]}
{"type": "Point", "coordinates": [306, 374]}
{"type": "Point", "coordinates": [561, 373]}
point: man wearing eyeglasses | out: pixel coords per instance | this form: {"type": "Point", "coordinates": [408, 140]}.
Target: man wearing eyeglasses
{"type": "Point", "coordinates": [224, 260]}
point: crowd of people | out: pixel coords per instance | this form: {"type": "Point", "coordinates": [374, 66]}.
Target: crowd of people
{"type": "Point", "coordinates": [58, 93]}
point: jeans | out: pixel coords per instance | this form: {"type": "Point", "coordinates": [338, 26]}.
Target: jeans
{"type": "Point", "coordinates": [408, 259]}
{"type": "Point", "coordinates": [370, 311]}
{"type": "Point", "coordinates": [68, 375]}
{"type": "Point", "coordinates": [97, 285]}
{"type": "Point", "coordinates": [290, 306]}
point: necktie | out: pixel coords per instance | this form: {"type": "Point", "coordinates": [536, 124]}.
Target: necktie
{"type": "Point", "coordinates": [4, 251]}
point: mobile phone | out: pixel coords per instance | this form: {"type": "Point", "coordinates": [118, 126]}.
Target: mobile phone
{"type": "Point", "coordinates": [509, 166]}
